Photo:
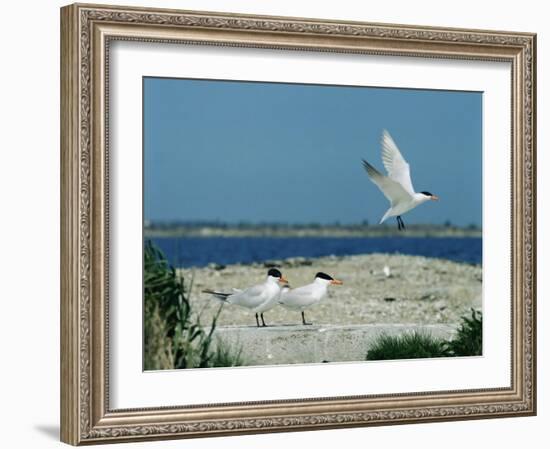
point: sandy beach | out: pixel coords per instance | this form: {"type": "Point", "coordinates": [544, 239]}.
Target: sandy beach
{"type": "Point", "coordinates": [419, 290]}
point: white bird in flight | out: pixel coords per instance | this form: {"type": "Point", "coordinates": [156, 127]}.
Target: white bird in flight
{"type": "Point", "coordinates": [397, 185]}
{"type": "Point", "coordinates": [303, 297]}
{"type": "Point", "coordinates": [258, 298]}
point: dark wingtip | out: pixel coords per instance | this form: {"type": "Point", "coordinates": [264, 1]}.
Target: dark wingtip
{"type": "Point", "coordinates": [218, 295]}
{"type": "Point", "coordinates": [366, 165]}
{"type": "Point", "coordinates": [369, 168]}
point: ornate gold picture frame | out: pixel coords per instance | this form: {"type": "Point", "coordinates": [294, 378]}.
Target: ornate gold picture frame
{"type": "Point", "coordinates": [87, 32]}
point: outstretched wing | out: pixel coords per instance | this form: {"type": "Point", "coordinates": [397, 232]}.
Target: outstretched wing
{"type": "Point", "coordinates": [396, 166]}
{"type": "Point", "coordinates": [391, 189]}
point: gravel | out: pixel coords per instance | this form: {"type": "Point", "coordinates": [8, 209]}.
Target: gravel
{"type": "Point", "coordinates": [418, 290]}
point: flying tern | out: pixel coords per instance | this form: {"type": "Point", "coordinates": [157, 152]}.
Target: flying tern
{"type": "Point", "coordinates": [397, 185]}
{"type": "Point", "coordinates": [258, 298]}
{"type": "Point", "coordinates": [303, 297]}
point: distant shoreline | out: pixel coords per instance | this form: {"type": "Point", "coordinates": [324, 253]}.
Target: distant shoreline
{"type": "Point", "coordinates": [305, 231]}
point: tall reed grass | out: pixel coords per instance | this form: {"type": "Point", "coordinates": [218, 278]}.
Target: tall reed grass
{"type": "Point", "coordinates": [174, 337]}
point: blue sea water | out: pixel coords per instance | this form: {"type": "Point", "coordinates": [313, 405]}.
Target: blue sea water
{"type": "Point", "coordinates": [200, 251]}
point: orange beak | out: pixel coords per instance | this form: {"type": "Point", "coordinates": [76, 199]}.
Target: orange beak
{"type": "Point", "coordinates": [435, 198]}
{"type": "Point", "coordinates": [336, 282]}
{"type": "Point", "coordinates": [283, 280]}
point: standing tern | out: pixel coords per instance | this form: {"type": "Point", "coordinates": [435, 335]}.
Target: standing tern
{"type": "Point", "coordinates": [397, 185]}
{"type": "Point", "coordinates": [303, 297]}
{"type": "Point", "coordinates": [284, 290]}
{"type": "Point", "coordinates": [258, 298]}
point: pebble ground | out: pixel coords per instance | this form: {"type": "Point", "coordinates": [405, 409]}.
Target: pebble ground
{"type": "Point", "coordinates": [418, 290]}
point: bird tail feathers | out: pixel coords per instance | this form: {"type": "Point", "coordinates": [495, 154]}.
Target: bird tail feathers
{"type": "Point", "coordinates": [218, 295]}
{"type": "Point", "coordinates": [386, 215]}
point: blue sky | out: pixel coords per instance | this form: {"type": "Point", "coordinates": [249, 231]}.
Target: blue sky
{"type": "Point", "coordinates": [291, 153]}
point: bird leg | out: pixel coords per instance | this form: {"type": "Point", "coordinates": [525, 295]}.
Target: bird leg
{"type": "Point", "coordinates": [263, 322]}
{"type": "Point", "coordinates": [304, 319]}
{"type": "Point", "coordinates": [400, 223]}
{"type": "Point", "coordinates": [257, 321]}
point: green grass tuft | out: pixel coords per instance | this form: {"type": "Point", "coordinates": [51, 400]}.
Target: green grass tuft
{"type": "Point", "coordinates": [416, 345]}
{"type": "Point", "coordinates": [469, 338]}
{"type": "Point", "coordinates": [174, 337]}
{"type": "Point", "coordinates": [225, 356]}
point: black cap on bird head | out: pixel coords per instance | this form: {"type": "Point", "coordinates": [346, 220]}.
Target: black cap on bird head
{"type": "Point", "coordinates": [430, 195]}
{"type": "Point", "coordinates": [273, 272]}
{"type": "Point", "coordinates": [325, 276]}
{"type": "Point", "coordinates": [328, 278]}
